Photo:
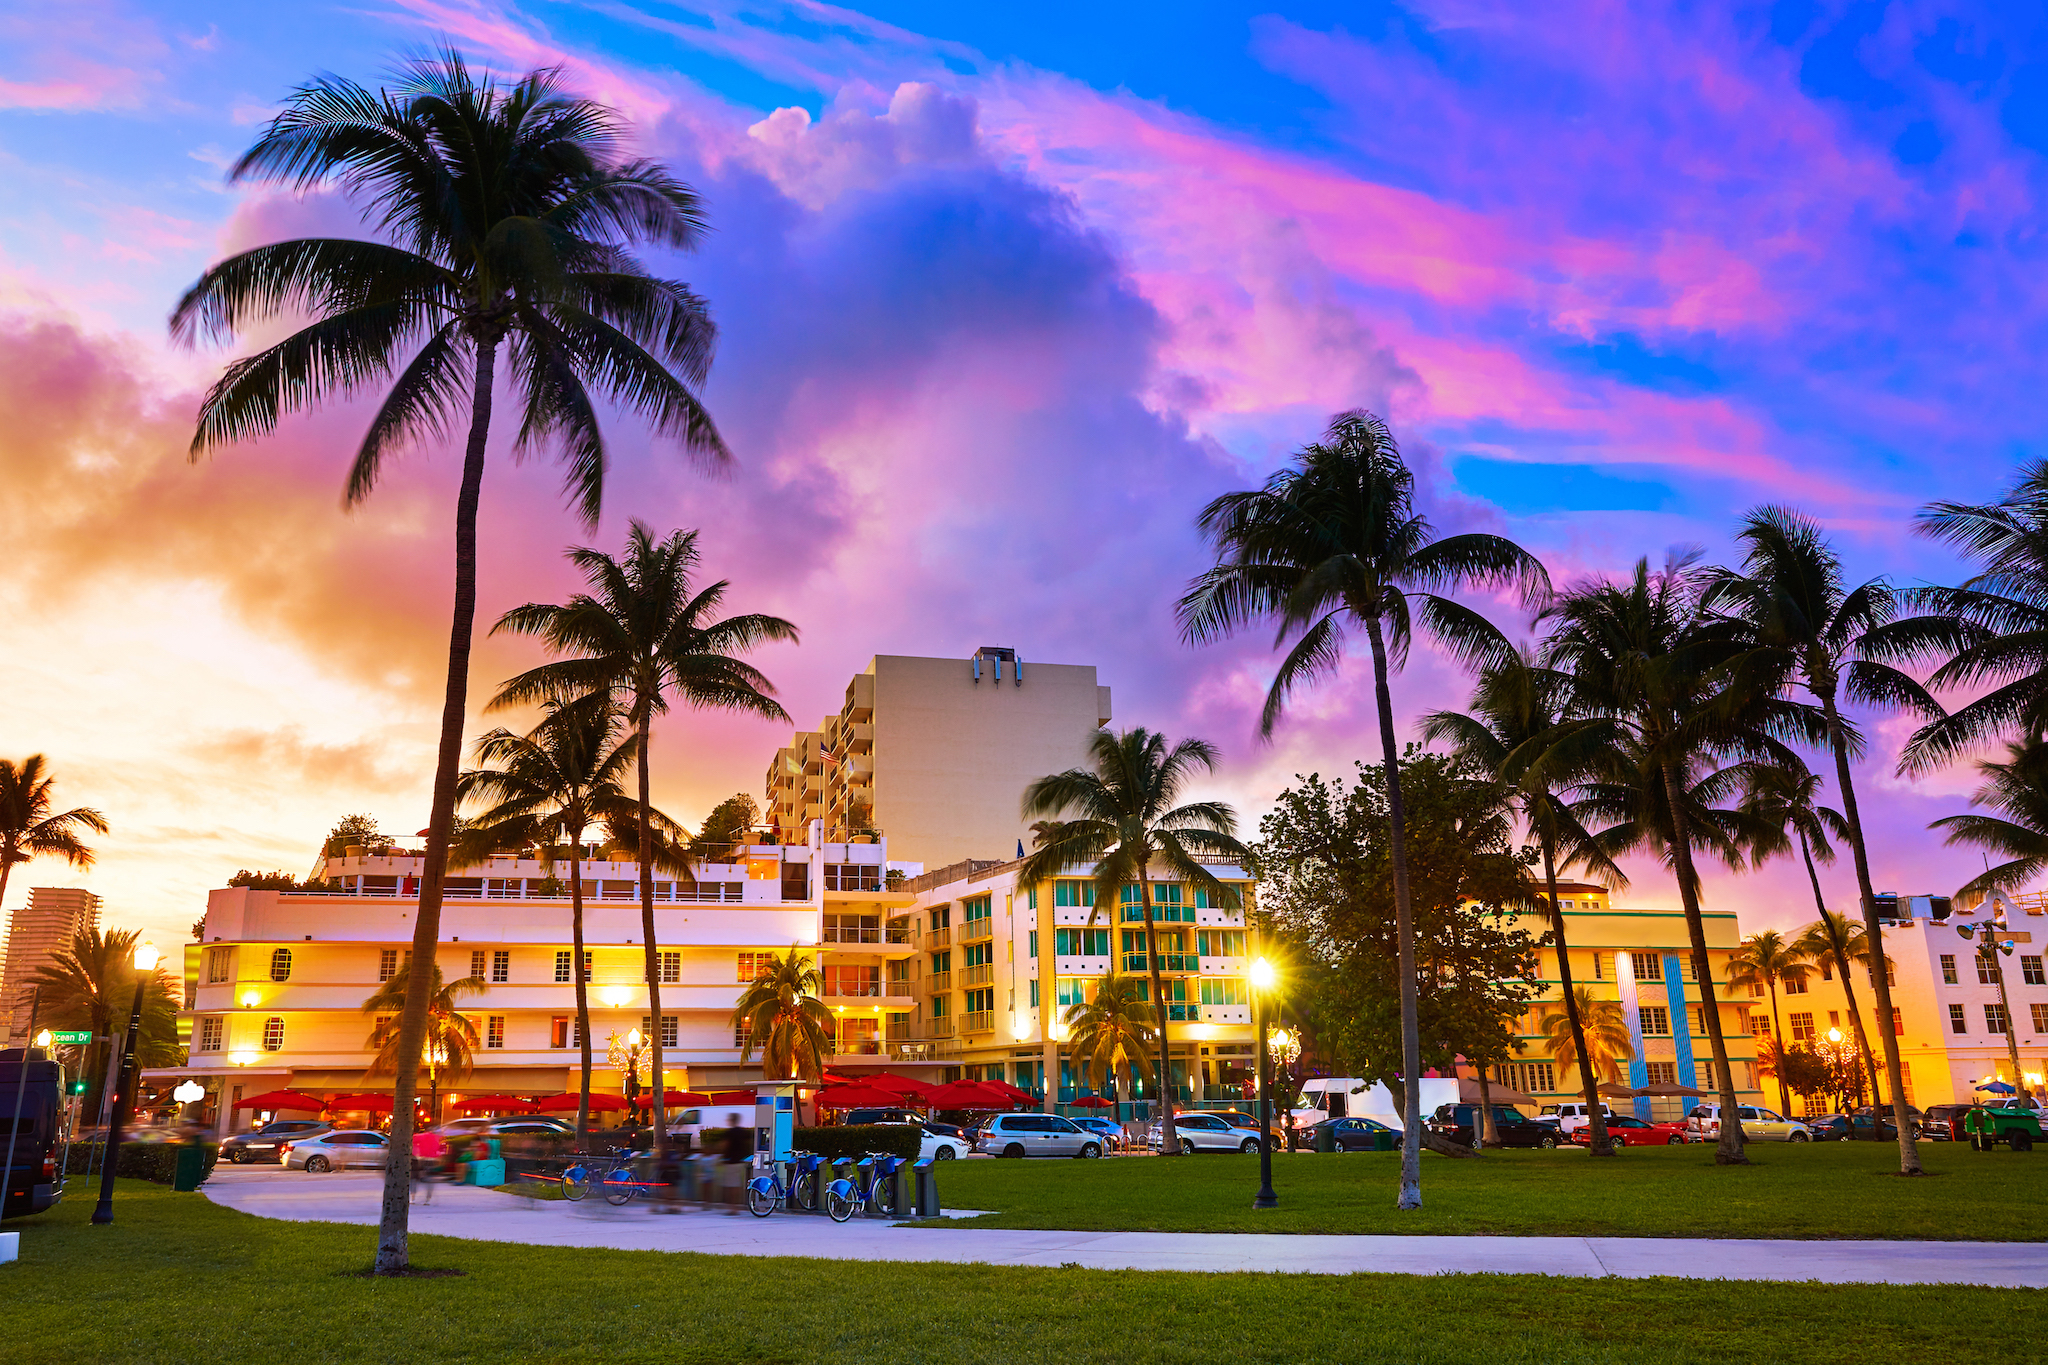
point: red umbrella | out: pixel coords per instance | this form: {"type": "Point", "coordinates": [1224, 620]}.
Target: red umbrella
{"type": "Point", "coordinates": [676, 1097]}
{"type": "Point", "coordinates": [968, 1095]}
{"type": "Point", "coordinates": [284, 1099]}
{"type": "Point", "coordinates": [366, 1104]}
{"type": "Point", "coordinates": [732, 1097]}
{"type": "Point", "coordinates": [599, 1104]}
{"type": "Point", "coordinates": [1094, 1102]}
{"type": "Point", "coordinates": [902, 1085]}
{"type": "Point", "coordinates": [857, 1097]}
{"type": "Point", "coordinates": [1005, 1088]}
{"type": "Point", "coordinates": [506, 1102]}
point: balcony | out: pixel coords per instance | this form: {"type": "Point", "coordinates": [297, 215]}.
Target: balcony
{"type": "Point", "coordinates": [893, 934]}
{"type": "Point", "coordinates": [981, 974]}
{"type": "Point", "coordinates": [1168, 962]}
{"type": "Point", "coordinates": [939, 981]}
{"type": "Point", "coordinates": [978, 1021]}
{"type": "Point", "coordinates": [938, 938]}
{"type": "Point", "coordinates": [978, 929]}
{"type": "Point", "coordinates": [846, 990]}
{"type": "Point", "coordinates": [936, 1028]}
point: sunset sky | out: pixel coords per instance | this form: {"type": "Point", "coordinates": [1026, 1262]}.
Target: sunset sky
{"type": "Point", "coordinates": [1006, 294]}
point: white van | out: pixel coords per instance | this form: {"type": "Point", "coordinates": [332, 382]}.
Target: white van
{"type": "Point", "coordinates": [1569, 1118]}
{"type": "Point", "coordinates": [1337, 1097]}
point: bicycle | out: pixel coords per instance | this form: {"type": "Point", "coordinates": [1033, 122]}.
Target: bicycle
{"type": "Point", "coordinates": [767, 1193]}
{"type": "Point", "coordinates": [619, 1180]}
{"type": "Point", "coordinates": [868, 1189]}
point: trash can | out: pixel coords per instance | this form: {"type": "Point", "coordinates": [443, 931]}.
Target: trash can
{"type": "Point", "coordinates": [1326, 1139]}
{"type": "Point", "coordinates": [488, 1173]}
{"type": "Point", "coordinates": [191, 1161]}
{"type": "Point", "coordinates": [1382, 1140]}
{"type": "Point", "coordinates": [927, 1179]}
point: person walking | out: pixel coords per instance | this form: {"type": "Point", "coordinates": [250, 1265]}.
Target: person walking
{"type": "Point", "coordinates": [736, 1154]}
{"type": "Point", "coordinates": [428, 1149]}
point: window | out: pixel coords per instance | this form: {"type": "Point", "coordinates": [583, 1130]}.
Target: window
{"type": "Point", "coordinates": [978, 909]}
{"type": "Point", "coordinates": [1073, 893]}
{"type": "Point", "coordinates": [2030, 972]}
{"type": "Point", "coordinates": [1696, 1020]}
{"type": "Point", "coordinates": [1034, 992]}
{"type": "Point", "coordinates": [1220, 942]}
{"type": "Point", "coordinates": [671, 971]}
{"type": "Point", "coordinates": [941, 917]}
{"type": "Point", "coordinates": [1647, 966]}
{"type": "Point", "coordinates": [1891, 974]}
{"type": "Point", "coordinates": [1760, 1024]}
{"type": "Point", "coordinates": [1834, 1018]}
{"type": "Point", "coordinates": [558, 1030]}
{"type": "Point", "coordinates": [1661, 1073]}
{"type": "Point", "coordinates": [1031, 898]}
{"type": "Point", "coordinates": [210, 1030]}
{"type": "Point", "coordinates": [1603, 966]}
{"type": "Point", "coordinates": [940, 1006]}
{"type": "Point", "coordinates": [1987, 968]}
{"type": "Point", "coordinates": [741, 1034]}
{"type": "Point", "coordinates": [1948, 969]}
{"type": "Point", "coordinates": [1166, 904]}
{"type": "Point", "coordinates": [217, 964]}
{"type": "Point", "coordinates": [273, 1034]}
{"type": "Point", "coordinates": [1070, 990]}
{"type": "Point", "coordinates": [853, 978]}
{"type": "Point", "coordinates": [562, 966]}
{"type": "Point", "coordinates": [476, 963]}
{"type": "Point", "coordinates": [1531, 1078]}
{"type": "Point", "coordinates": [1827, 969]}
{"type": "Point", "coordinates": [501, 965]}
{"type": "Point", "coordinates": [1793, 985]}
{"type": "Point", "coordinates": [668, 1029]}
{"type": "Point", "coordinates": [1229, 990]}
{"type": "Point", "coordinates": [942, 961]}
{"type": "Point", "coordinates": [281, 965]}
{"type": "Point", "coordinates": [1958, 1022]}
{"type": "Point", "coordinates": [1803, 1030]}
{"type": "Point", "coordinates": [981, 1001]}
{"type": "Point", "coordinates": [1898, 1022]}
{"type": "Point", "coordinates": [494, 1031]}
{"type": "Point", "coordinates": [1656, 1021]}
{"type": "Point", "coordinates": [1994, 1018]}
{"type": "Point", "coordinates": [2040, 1013]}
{"type": "Point", "coordinates": [978, 955]}
{"type": "Point", "coordinates": [1080, 942]}
{"type": "Point", "coordinates": [1032, 938]}
{"type": "Point", "coordinates": [387, 964]}
{"type": "Point", "coordinates": [751, 965]}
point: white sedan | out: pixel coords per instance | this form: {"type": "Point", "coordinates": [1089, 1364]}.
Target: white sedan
{"type": "Point", "coordinates": [939, 1147]}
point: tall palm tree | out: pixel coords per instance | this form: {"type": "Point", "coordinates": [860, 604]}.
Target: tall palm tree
{"type": "Point", "coordinates": [1765, 959]}
{"type": "Point", "coordinates": [1812, 630]}
{"type": "Point", "coordinates": [90, 984]}
{"type": "Point", "coordinates": [1333, 540]}
{"type": "Point", "coordinates": [1119, 816]}
{"type": "Point", "coordinates": [1112, 1028]}
{"type": "Point", "coordinates": [783, 1016]}
{"type": "Point", "coordinates": [2018, 788]}
{"type": "Point", "coordinates": [1656, 707]}
{"type": "Point", "coordinates": [30, 829]}
{"type": "Point", "coordinates": [451, 1041]}
{"type": "Point", "coordinates": [644, 634]}
{"type": "Point", "coordinates": [1590, 1028]}
{"type": "Point", "coordinates": [511, 212]}
{"type": "Point", "coordinates": [1836, 941]}
{"type": "Point", "coordinates": [553, 784]}
{"type": "Point", "coordinates": [1516, 709]}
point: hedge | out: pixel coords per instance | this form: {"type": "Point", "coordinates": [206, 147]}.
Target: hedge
{"type": "Point", "coordinates": [897, 1139]}
{"type": "Point", "coordinates": [156, 1161]}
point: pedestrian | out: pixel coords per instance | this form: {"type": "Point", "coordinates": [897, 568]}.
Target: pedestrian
{"type": "Point", "coordinates": [736, 1159]}
{"type": "Point", "coordinates": [428, 1147]}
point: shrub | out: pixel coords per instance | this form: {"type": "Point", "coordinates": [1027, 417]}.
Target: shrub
{"type": "Point", "coordinates": [897, 1139]}
{"type": "Point", "coordinates": [157, 1161]}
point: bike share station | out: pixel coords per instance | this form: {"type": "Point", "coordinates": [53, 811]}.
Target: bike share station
{"type": "Point", "coordinates": [879, 1184]}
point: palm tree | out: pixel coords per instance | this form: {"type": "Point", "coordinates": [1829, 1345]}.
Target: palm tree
{"type": "Point", "coordinates": [1112, 1028]}
{"type": "Point", "coordinates": [451, 1041]}
{"type": "Point", "coordinates": [1331, 540]}
{"type": "Point", "coordinates": [511, 212]}
{"type": "Point", "coordinates": [1765, 959]}
{"type": "Point", "coordinates": [553, 783]}
{"type": "Point", "coordinates": [647, 633]}
{"type": "Point", "coordinates": [1591, 1028]}
{"type": "Point", "coordinates": [1516, 709]}
{"type": "Point", "coordinates": [1835, 941]}
{"type": "Point", "coordinates": [1812, 630]}
{"type": "Point", "coordinates": [29, 829]}
{"type": "Point", "coordinates": [2017, 787]}
{"type": "Point", "coordinates": [90, 984]}
{"type": "Point", "coordinates": [782, 1015]}
{"type": "Point", "coordinates": [1120, 815]}
{"type": "Point", "coordinates": [1656, 707]}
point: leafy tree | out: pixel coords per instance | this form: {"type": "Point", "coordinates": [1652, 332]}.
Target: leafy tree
{"type": "Point", "coordinates": [90, 984]}
{"type": "Point", "coordinates": [1602, 1036]}
{"type": "Point", "coordinates": [451, 1037]}
{"type": "Point", "coordinates": [29, 829]}
{"type": "Point", "coordinates": [1802, 1069]}
{"type": "Point", "coordinates": [1333, 540]}
{"type": "Point", "coordinates": [782, 1015]}
{"type": "Point", "coordinates": [729, 825]}
{"type": "Point", "coordinates": [509, 212]}
{"type": "Point", "coordinates": [645, 634]}
{"type": "Point", "coordinates": [277, 881]}
{"type": "Point", "coordinates": [1113, 1027]}
{"type": "Point", "coordinates": [359, 830]}
{"type": "Point", "coordinates": [1765, 959]}
{"type": "Point", "coordinates": [1120, 814]}
{"type": "Point", "coordinates": [1836, 941]}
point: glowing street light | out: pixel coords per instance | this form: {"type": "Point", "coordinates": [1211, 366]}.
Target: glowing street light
{"type": "Point", "coordinates": [616, 997]}
{"type": "Point", "coordinates": [251, 999]}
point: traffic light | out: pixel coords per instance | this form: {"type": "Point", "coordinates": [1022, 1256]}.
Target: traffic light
{"type": "Point", "coordinates": [75, 1088]}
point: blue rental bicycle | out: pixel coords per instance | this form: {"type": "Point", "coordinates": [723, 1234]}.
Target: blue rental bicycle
{"type": "Point", "coordinates": [872, 1176]}
{"type": "Point", "coordinates": [766, 1193]}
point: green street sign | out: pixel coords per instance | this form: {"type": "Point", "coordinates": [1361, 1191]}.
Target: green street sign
{"type": "Point", "coordinates": [70, 1038]}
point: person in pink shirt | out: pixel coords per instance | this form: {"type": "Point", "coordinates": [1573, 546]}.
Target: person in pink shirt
{"type": "Point", "coordinates": [428, 1148]}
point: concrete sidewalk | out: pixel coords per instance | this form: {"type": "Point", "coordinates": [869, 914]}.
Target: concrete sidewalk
{"type": "Point", "coordinates": [486, 1215]}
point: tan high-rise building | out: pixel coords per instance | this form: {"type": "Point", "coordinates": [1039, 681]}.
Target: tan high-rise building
{"type": "Point", "coordinates": [35, 931]}
{"type": "Point", "coordinates": [936, 753]}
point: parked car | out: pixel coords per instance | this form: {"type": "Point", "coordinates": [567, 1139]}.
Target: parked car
{"type": "Point", "coordinates": [31, 1114]}
{"type": "Point", "coordinates": [1846, 1128]}
{"type": "Point", "coordinates": [950, 1130]}
{"type": "Point", "coordinates": [859, 1116]}
{"type": "Point", "coordinates": [940, 1147]}
{"type": "Point", "coordinates": [531, 1125]}
{"type": "Point", "coordinates": [1349, 1134]}
{"type": "Point", "coordinates": [1569, 1118]}
{"type": "Point", "coordinates": [1201, 1132]}
{"type": "Point", "coordinates": [1884, 1111]}
{"type": "Point", "coordinates": [336, 1151]}
{"type": "Point", "coordinates": [1020, 1135]}
{"type": "Point", "coordinates": [464, 1127]}
{"type": "Point", "coordinates": [263, 1143]}
{"type": "Point", "coordinates": [1453, 1123]}
{"type": "Point", "coordinates": [1629, 1131]}
{"type": "Point", "coordinates": [1942, 1122]}
{"type": "Point", "coordinates": [1112, 1131]}
{"type": "Point", "coordinates": [1759, 1124]}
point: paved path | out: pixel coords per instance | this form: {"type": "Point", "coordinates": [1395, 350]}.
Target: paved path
{"type": "Point", "coordinates": [486, 1215]}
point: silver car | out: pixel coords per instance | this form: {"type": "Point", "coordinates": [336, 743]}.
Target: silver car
{"type": "Point", "coordinates": [264, 1143]}
{"type": "Point", "coordinates": [1206, 1133]}
{"type": "Point", "coordinates": [337, 1151]}
{"type": "Point", "coordinates": [1037, 1135]}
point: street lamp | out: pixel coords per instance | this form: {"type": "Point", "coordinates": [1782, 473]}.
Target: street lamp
{"type": "Point", "coordinates": [145, 960]}
{"type": "Point", "coordinates": [1262, 982]}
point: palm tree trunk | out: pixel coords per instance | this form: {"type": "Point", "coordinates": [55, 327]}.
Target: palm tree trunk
{"type": "Point", "coordinates": [646, 852]}
{"type": "Point", "coordinates": [392, 1255]}
{"type": "Point", "coordinates": [1729, 1151]}
{"type": "Point", "coordinates": [1169, 1139]}
{"type": "Point", "coordinates": [1848, 986]}
{"type": "Point", "coordinates": [1778, 1041]}
{"type": "Point", "coordinates": [1484, 1129]}
{"type": "Point", "coordinates": [580, 977]}
{"type": "Point", "coordinates": [1894, 1069]}
{"type": "Point", "coordinates": [1595, 1117]}
{"type": "Point", "coordinates": [1404, 931]}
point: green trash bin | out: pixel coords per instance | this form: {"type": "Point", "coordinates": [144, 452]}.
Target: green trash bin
{"type": "Point", "coordinates": [1382, 1140]}
{"type": "Point", "coordinates": [1326, 1139]}
{"type": "Point", "coordinates": [191, 1164]}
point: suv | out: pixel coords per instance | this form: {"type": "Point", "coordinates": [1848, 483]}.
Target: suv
{"type": "Point", "coordinates": [1569, 1118]}
{"type": "Point", "coordinates": [1938, 1123]}
{"type": "Point", "coordinates": [1037, 1135]}
{"type": "Point", "coordinates": [1453, 1123]}
{"type": "Point", "coordinates": [1206, 1133]}
{"type": "Point", "coordinates": [264, 1142]}
{"type": "Point", "coordinates": [1759, 1124]}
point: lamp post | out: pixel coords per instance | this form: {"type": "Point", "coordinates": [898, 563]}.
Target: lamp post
{"type": "Point", "coordinates": [145, 961]}
{"type": "Point", "coordinates": [1262, 982]}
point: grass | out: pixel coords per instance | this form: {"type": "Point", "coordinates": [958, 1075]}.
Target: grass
{"type": "Point", "coordinates": [1833, 1190]}
{"type": "Point", "coordinates": [178, 1279]}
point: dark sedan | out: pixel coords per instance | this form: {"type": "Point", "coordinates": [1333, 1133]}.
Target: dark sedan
{"type": "Point", "coordinates": [1844, 1128]}
{"type": "Point", "coordinates": [263, 1144]}
{"type": "Point", "coordinates": [1350, 1135]}
{"type": "Point", "coordinates": [1453, 1123]}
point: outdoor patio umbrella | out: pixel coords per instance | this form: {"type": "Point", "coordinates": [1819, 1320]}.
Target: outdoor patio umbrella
{"type": "Point", "coordinates": [857, 1097]}
{"type": "Point", "coordinates": [284, 1099]}
{"type": "Point", "coordinates": [902, 1085]}
{"type": "Point", "coordinates": [732, 1097]}
{"type": "Point", "coordinates": [1468, 1092]}
{"type": "Point", "coordinates": [599, 1104]}
{"type": "Point", "coordinates": [1005, 1088]}
{"type": "Point", "coordinates": [351, 1104]}
{"type": "Point", "coordinates": [968, 1095]}
{"type": "Point", "coordinates": [1996, 1087]}
{"type": "Point", "coordinates": [678, 1098]}
{"type": "Point", "coordinates": [1609, 1090]}
{"type": "Point", "coordinates": [1665, 1089]}
{"type": "Point", "coordinates": [1094, 1102]}
{"type": "Point", "coordinates": [512, 1102]}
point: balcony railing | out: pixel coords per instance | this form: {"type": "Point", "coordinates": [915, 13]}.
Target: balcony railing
{"type": "Point", "coordinates": [939, 981]}
{"type": "Point", "coordinates": [665, 893]}
{"type": "Point", "coordinates": [938, 938]}
{"type": "Point", "coordinates": [936, 1028]}
{"type": "Point", "coordinates": [1168, 962]}
{"type": "Point", "coordinates": [984, 927]}
{"type": "Point", "coordinates": [978, 1021]}
{"type": "Point", "coordinates": [853, 988]}
{"type": "Point", "coordinates": [980, 974]}
{"type": "Point", "coordinates": [863, 935]}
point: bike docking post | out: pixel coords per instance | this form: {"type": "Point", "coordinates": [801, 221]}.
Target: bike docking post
{"type": "Point", "coordinates": [927, 1189]}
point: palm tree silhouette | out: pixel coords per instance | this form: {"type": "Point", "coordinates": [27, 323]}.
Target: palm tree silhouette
{"type": "Point", "coordinates": [451, 1037]}
{"type": "Point", "coordinates": [1120, 814]}
{"type": "Point", "coordinates": [511, 213]}
{"type": "Point", "coordinates": [1331, 540]}
{"type": "Point", "coordinates": [29, 829]}
{"type": "Point", "coordinates": [1836, 941]}
{"type": "Point", "coordinates": [1765, 959]}
{"type": "Point", "coordinates": [782, 1015]}
{"type": "Point", "coordinates": [644, 634]}
{"type": "Point", "coordinates": [90, 983]}
{"type": "Point", "coordinates": [1600, 1035]}
{"type": "Point", "coordinates": [1113, 1027]}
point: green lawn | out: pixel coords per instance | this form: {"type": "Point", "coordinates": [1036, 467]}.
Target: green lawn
{"type": "Point", "coordinates": [1810, 1190]}
{"type": "Point", "coordinates": [178, 1281]}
